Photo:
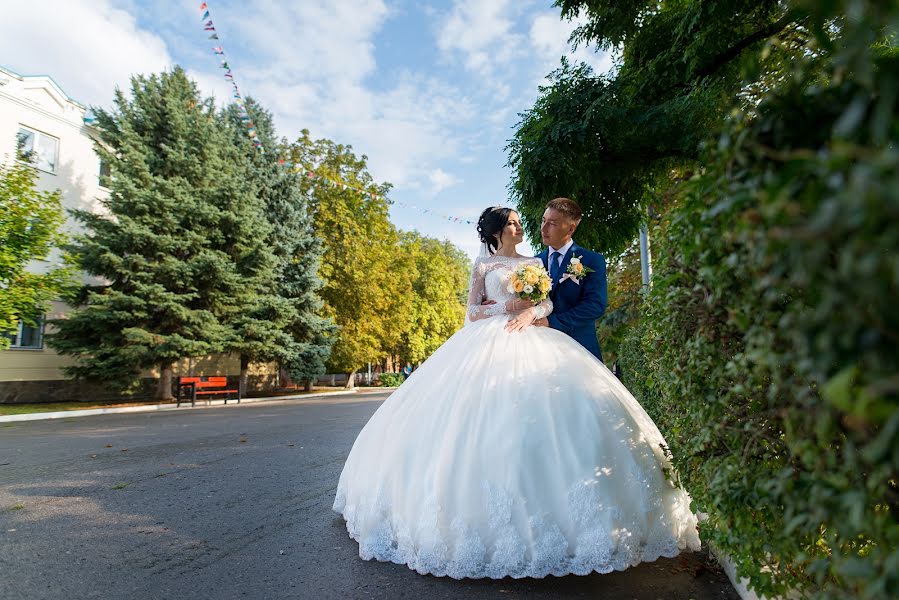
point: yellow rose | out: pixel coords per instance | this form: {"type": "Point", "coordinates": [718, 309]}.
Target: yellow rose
{"type": "Point", "coordinates": [578, 268]}
{"type": "Point", "coordinates": [531, 277]}
{"type": "Point", "coordinates": [518, 286]}
{"type": "Point", "coordinates": [544, 286]}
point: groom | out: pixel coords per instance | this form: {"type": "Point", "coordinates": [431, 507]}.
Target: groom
{"type": "Point", "coordinates": [579, 299]}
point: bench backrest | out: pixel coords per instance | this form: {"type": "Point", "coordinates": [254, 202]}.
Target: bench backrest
{"type": "Point", "coordinates": [204, 382]}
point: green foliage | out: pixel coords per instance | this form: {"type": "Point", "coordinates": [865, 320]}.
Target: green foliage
{"type": "Point", "coordinates": [285, 324]}
{"type": "Point", "coordinates": [391, 379]}
{"type": "Point", "coordinates": [29, 230]}
{"type": "Point", "coordinates": [606, 141]}
{"type": "Point", "coordinates": [181, 246]}
{"type": "Point", "coordinates": [766, 351]}
{"type": "Point", "coordinates": [625, 280]}
{"type": "Point", "coordinates": [440, 274]}
{"type": "Point", "coordinates": [367, 288]}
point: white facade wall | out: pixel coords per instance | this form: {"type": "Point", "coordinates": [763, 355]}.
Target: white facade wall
{"type": "Point", "coordinates": [38, 104]}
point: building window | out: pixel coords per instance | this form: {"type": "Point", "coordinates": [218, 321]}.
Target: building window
{"type": "Point", "coordinates": [104, 173]}
{"type": "Point", "coordinates": [38, 148]}
{"type": "Point", "coordinates": [30, 337]}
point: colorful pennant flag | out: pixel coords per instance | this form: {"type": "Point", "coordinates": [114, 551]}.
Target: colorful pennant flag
{"type": "Point", "coordinates": [229, 76]}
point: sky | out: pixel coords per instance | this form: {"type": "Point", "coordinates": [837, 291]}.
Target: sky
{"type": "Point", "coordinates": [429, 91]}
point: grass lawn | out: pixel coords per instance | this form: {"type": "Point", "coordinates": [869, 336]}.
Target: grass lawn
{"type": "Point", "coordinates": [22, 409]}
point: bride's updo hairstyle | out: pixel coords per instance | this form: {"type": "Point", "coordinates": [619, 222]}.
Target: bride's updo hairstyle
{"type": "Point", "coordinates": [491, 223]}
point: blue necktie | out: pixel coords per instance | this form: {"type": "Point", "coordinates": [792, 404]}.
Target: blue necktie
{"type": "Point", "coordinates": [554, 266]}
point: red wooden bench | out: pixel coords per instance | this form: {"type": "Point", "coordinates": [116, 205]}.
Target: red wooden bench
{"type": "Point", "coordinates": [204, 386]}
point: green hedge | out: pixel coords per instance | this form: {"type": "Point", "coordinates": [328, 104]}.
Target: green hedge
{"type": "Point", "coordinates": [391, 379]}
{"type": "Point", "coordinates": [768, 348]}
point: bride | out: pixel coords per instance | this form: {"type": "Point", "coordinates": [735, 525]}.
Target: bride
{"type": "Point", "coordinates": [512, 451]}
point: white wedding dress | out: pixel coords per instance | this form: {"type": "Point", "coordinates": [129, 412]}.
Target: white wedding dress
{"type": "Point", "coordinates": [512, 454]}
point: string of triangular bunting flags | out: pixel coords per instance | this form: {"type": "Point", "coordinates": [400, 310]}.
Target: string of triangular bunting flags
{"type": "Point", "coordinates": [219, 50]}
{"type": "Point", "coordinates": [322, 180]}
{"type": "Point", "coordinates": [209, 26]}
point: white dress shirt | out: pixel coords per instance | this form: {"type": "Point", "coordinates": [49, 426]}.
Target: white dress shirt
{"type": "Point", "coordinates": [562, 251]}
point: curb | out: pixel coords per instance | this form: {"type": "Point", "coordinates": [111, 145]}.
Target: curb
{"type": "Point", "coordinates": [741, 584]}
{"type": "Point", "coordinates": [730, 569]}
{"type": "Point", "coordinates": [65, 414]}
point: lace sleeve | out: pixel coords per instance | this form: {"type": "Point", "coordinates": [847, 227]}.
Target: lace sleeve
{"type": "Point", "coordinates": [477, 293]}
{"type": "Point", "coordinates": [544, 308]}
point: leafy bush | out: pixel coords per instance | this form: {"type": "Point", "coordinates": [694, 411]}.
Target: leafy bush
{"type": "Point", "coordinates": [391, 379]}
{"type": "Point", "coordinates": [29, 230]}
{"type": "Point", "coordinates": [766, 351]}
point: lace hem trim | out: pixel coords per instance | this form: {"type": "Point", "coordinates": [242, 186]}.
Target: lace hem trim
{"type": "Point", "coordinates": [469, 558]}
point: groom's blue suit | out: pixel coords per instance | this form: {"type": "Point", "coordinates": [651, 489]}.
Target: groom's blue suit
{"type": "Point", "coordinates": [577, 306]}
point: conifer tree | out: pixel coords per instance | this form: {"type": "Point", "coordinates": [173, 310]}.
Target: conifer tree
{"type": "Point", "coordinates": [181, 246]}
{"type": "Point", "coordinates": [286, 325]}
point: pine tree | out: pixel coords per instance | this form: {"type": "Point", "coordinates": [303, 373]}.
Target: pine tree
{"type": "Point", "coordinates": [286, 325]}
{"type": "Point", "coordinates": [181, 247]}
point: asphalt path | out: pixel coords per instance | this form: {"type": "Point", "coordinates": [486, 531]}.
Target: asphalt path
{"type": "Point", "coordinates": [231, 502]}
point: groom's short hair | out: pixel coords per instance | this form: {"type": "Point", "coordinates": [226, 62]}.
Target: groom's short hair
{"type": "Point", "coordinates": [566, 206]}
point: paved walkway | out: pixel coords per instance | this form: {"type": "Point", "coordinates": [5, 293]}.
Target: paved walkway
{"type": "Point", "coordinates": [230, 503]}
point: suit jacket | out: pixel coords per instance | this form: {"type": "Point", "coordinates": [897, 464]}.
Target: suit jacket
{"type": "Point", "coordinates": [577, 306]}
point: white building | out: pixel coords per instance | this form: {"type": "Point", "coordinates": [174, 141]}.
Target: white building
{"type": "Point", "coordinates": [37, 116]}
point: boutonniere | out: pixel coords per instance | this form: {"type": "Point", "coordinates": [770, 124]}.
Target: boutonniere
{"type": "Point", "coordinates": [576, 270]}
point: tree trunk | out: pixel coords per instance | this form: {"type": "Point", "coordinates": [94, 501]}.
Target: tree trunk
{"type": "Point", "coordinates": [164, 391]}
{"type": "Point", "coordinates": [284, 378]}
{"type": "Point", "coordinates": [308, 387]}
{"type": "Point", "coordinates": [351, 380]}
{"type": "Point", "coordinates": [244, 367]}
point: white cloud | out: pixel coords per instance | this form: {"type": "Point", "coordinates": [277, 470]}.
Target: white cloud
{"type": "Point", "coordinates": [441, 180]}
{"type": "Point", "coordinates": [319, 63]}
{"type": "Point", "coordinates": [313, 38]}
{"type": "Point", "coordinates": [483, 32]}
{"type": "Point", "coordinates": [549, 36]}
{"type": "Point", "coordinates": [411, 128]}
{"type": "Point", "coordinates": [87, 46]}
{"type": "Point", "coordinates": [212, 84]}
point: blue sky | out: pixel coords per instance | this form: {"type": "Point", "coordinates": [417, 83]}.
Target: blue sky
{"type": "Point", "coordinates": [429, 91]}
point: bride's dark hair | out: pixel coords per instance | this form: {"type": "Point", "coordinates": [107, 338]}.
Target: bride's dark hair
{"type": "Point", "coordinates": [491, 223]}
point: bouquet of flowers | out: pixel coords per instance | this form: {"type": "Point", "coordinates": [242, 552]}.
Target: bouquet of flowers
{"type": "Point", "coordinates": [530, 282]}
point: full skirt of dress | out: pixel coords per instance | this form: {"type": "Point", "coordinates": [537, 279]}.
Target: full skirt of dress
{"type": "Point", "coordinates": [512, 454]}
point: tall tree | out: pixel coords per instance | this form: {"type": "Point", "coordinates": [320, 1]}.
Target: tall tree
{"type": "Point", "coordinates": [29, 230]}
{"type": "Point", "coordinates": [609, 141]}
{"type": "Point", "coordinates": [367, 290]}
{"type": "Point", "coordinates": [440, 275]}
{"type": "Point", "coordinates": [285, 325]}
{"type": "Point", "coordinates": [181, 244]}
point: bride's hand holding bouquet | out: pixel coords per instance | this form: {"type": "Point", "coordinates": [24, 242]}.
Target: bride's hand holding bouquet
{"type": "Point", "coordinates": [531, 284]}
